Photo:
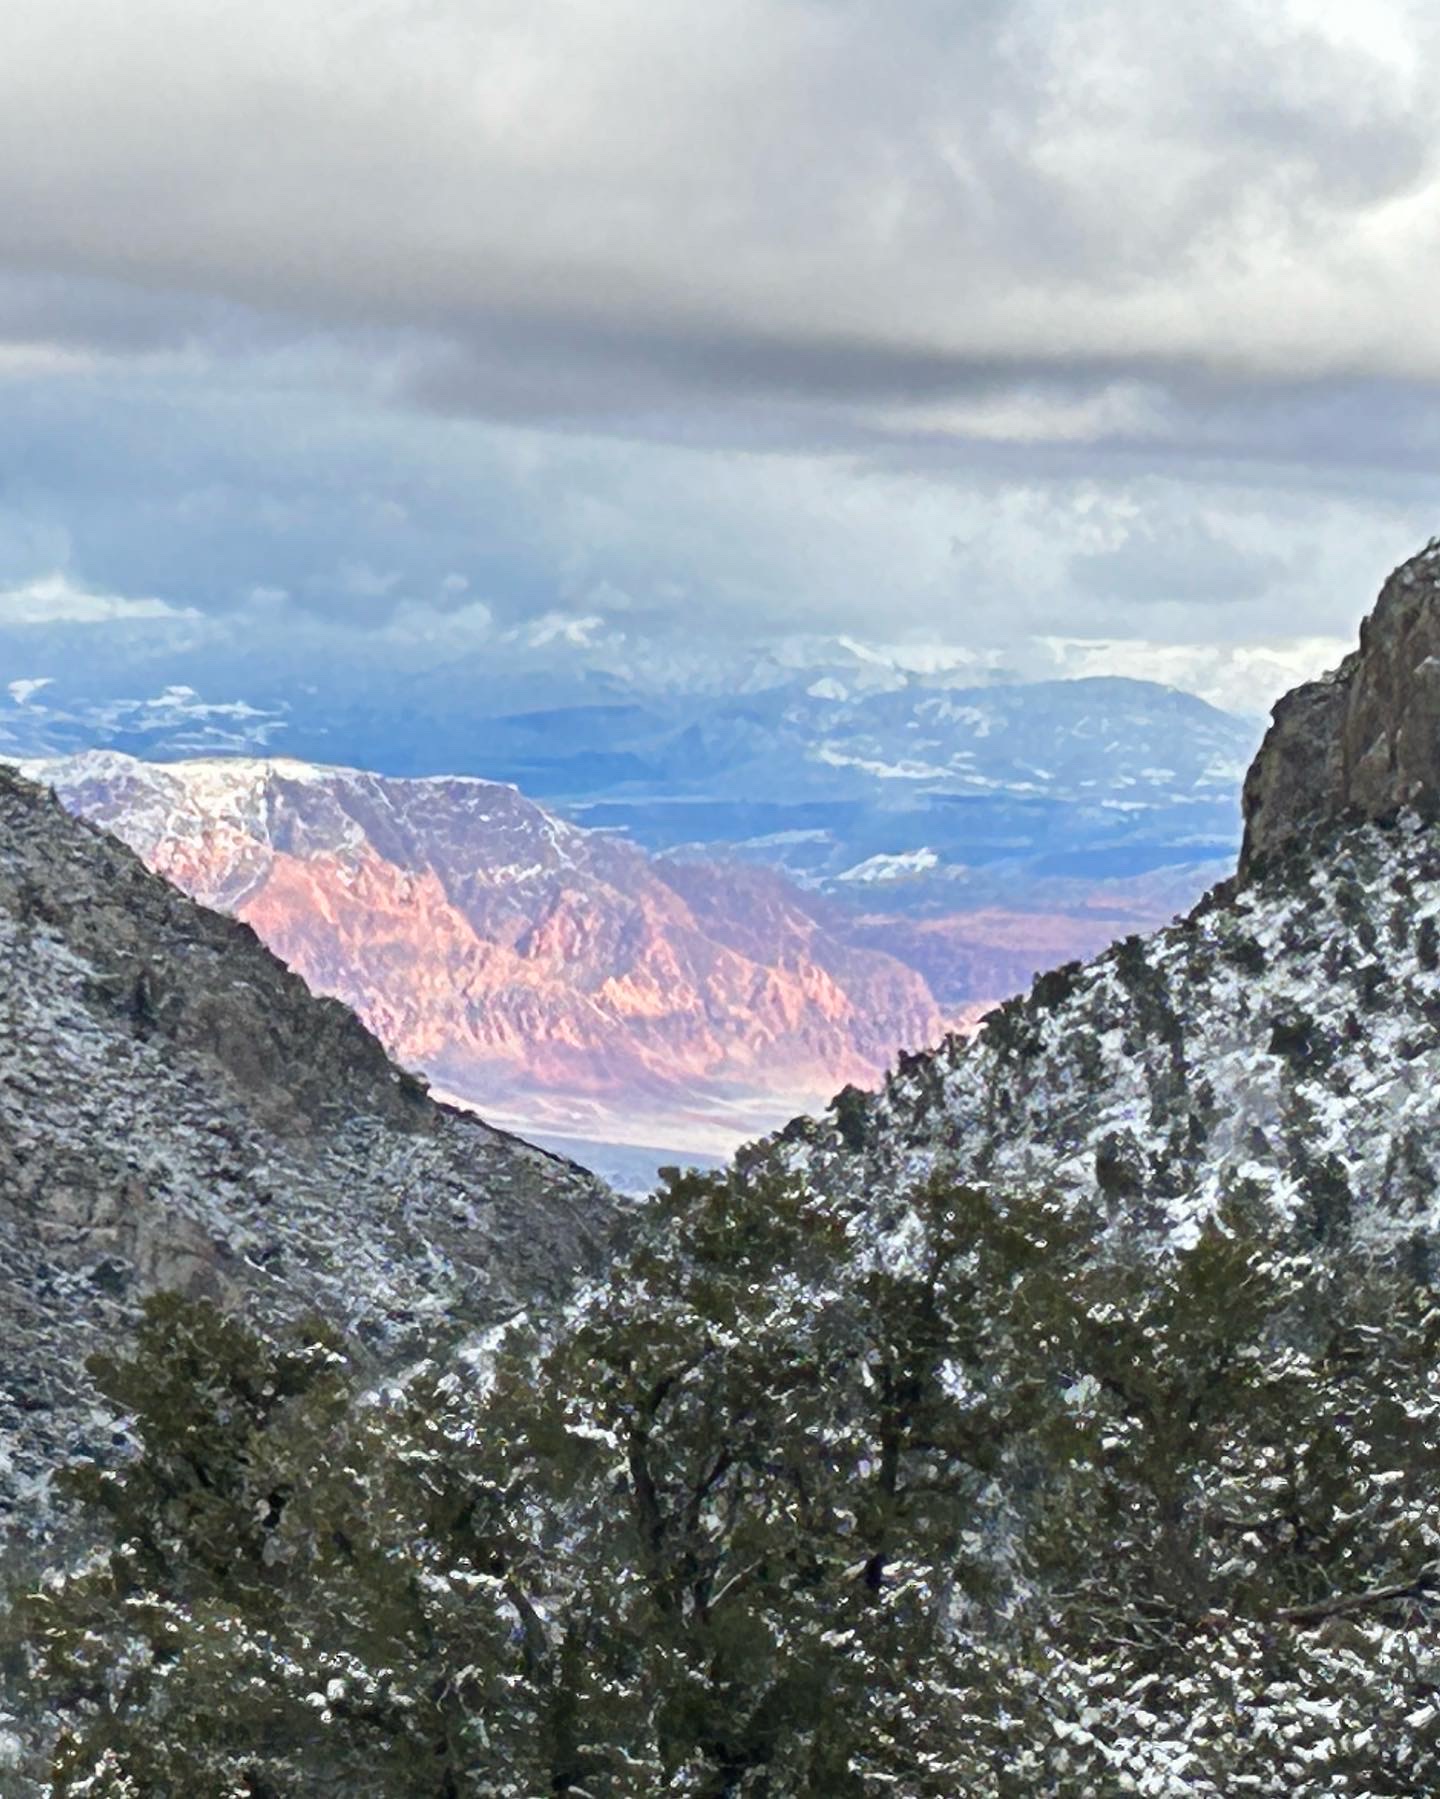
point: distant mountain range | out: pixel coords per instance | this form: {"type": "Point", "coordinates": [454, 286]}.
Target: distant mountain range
{"type": "Point", "coordinates": [772, 894]}
{"type": "Point", "coordinates": [547, 973]}
{"type": "Point", "coordinates": [939, 789]}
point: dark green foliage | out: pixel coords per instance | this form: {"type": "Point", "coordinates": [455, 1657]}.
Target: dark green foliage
{"type": "Point", "coordinates": [801, 1129]}
{"type": "Point", "coordinates": [1244, 953]}
{"type": "Point", "coordinates": [1056, 985]}
{"type": "Point", "coordinates": [1149, 992]}
{"type": "Point", "coordinates": [1299, 1039]}
{"type": "Point", "coordinates": [851, 1108]}
{"type": "Point", "coordinates": [1119, 1173]}
{"type": "Point", "coordinates": [1010, 1030]}
{"type": "Point", "coordinates": [988, 1500]}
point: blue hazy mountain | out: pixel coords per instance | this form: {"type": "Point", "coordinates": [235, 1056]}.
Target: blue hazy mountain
{"type": "Point", "coordinates": [915, 789]}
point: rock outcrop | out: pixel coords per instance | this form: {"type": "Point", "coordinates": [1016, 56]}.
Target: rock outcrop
{"type": "Point", "coordinates": [1363, 741]}
{"type": "Point", "coordinates": [177, 1110]}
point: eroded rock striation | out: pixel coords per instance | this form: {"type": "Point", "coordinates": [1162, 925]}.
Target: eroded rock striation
{"type": "Point", "coordinates": [178, 1110]}
{"type": "Point", "coordinates": [1364, 740]}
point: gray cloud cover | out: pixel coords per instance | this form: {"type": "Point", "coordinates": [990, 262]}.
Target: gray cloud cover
{"type": "Point", "coordinates": [977, 323]}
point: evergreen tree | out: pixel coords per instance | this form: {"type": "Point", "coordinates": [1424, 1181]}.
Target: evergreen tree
{"type": "Point", "coordinates": [965, 1494]}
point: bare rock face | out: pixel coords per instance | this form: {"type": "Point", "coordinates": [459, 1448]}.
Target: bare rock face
{"type": "Point", "coordinates": [179, 1111]}
{"type": "Point", "coordinates": [1363, 741]}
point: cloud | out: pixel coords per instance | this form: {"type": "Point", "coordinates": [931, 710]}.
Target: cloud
{"type": "Point", "coordinates": [22, 692]}
{"type": "Point", "coordinates": [561, 628]}
{"type": "Point", "coordinates": [374, 334]}
{"type": "Point", "coordinates": [55, 600]}
{"type": "Point", "coordinates": [27, 361]}
{"type": "Point", "coordinates": [450, 628]}
{"type": "Point", "coordinates": [358, 581]}
{"type": "Point", "coordinates": [1190, 561]}
{"type": "Point", "coordinates": [1246, 678]}
{"type": "Point", "coordinates": [1023, 220]}
{"type": "Point", "coordinates": [244, 510]}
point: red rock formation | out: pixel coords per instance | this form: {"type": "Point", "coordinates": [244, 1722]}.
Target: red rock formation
{"type": "Point", "coordinates": [545, 973]}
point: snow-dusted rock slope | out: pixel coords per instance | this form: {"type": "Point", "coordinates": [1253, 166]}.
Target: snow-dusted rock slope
{"type": "Point", "coordinates": [177, 1110]}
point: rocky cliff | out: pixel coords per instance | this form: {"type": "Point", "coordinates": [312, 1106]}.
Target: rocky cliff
{"type": "Point", "coordinates": [177, 1110]}
{"type": "Point", "coordinates": [1364, 741]}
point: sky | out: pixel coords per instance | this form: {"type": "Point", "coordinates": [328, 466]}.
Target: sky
{"type": "Point", "coordinates": [1044, 336]}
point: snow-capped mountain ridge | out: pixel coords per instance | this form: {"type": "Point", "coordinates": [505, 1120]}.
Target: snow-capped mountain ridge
{"type": "Point", "coordinates": [1259, 1045]}
{"type": "Point", "coordinates": [196, 795]}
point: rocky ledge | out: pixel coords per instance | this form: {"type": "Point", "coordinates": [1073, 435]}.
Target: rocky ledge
{"type": "Point", "coordinates": [1363, 741]}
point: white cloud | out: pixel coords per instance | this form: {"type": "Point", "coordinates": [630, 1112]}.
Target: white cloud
{"type": "Point", "coordinates": [452, 627]}
{"type": "Point", "coordinates": [357, 580]}
{"type": "Point", "coordinates": [973, 324]}
{"type": "Point", "coordinates": [29, 361]}
{"type": "Point", "coordinates": [561, 627]}
{"type": "Point", "coordinates": [56, 600]}
{"type": "Point", "coordinates": [22, 692]}
{"type": "Point", "coordinates": [1026, 416]}
{"type": "Point", "coordinates": [1244, 677]}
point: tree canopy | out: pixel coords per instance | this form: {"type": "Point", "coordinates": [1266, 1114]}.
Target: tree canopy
{"type": "Point", "coordinates": [807, 1497]}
